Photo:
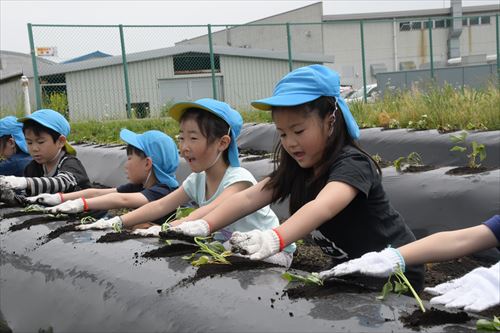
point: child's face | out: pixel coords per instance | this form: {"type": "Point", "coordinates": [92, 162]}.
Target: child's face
{"type": "Point", "coordinates": [194, 146]}
{"type": "Point", "coordinates": [137, 169]}
{"type": "Point", "coordinates": [8, 149]}
{"type": "Point", "coordinates": [302, 135]}
{"type": "Point", "coordinates": [42, 147]}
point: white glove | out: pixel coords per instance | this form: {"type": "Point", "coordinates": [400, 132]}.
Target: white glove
{"type": "Point", "coordinates": [151, 231]}
{"type": "Point", "coordinates": [114, 222]}
{"type": "Point", "coordinates": [379, 264]}
{"type": "Point", "coordinates": [13, 182]}
{"type": "Point", "coordinates": [68, 207]}
{"type": "Point", "coordinates": [46, 199]}
{"type": "Point", "coordinates": [256, 244]}
{"type": "Point", "coordinates": [475, 291]}
{"type": "Point", "coordinates": [192, 228]}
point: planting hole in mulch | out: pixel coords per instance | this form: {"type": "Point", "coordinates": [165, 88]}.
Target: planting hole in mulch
{"type": "Point", "coordinates": [169, 235]}
{"type": "Point", "coordinates": [21, 213]}
{"type": "Point", "coordinates": [433, 317]}
{"type": "Point", "coordinates": [118, 237]}
{"type": "Point", "coordinates": [330, 287]}
{"type": "Point", "coordinates": [466, 171]}
{"type": "Point", "coordinates": [37, 220]}
{"type": "Point", "coordinates": [419, 168]}
{"type": "Point", "coordinates": [173, 250]}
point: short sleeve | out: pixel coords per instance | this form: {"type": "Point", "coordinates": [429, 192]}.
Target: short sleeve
{"type": "Point", "coordinates": [236, 175]}
{"type": "Point", "coordinates": [189, 185]}
{"type": "Point", "coordinates": [494, 225]}
{"type": "Point", "coordinates": [355, 169]}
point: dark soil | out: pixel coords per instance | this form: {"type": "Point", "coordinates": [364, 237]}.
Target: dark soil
{"type": "Point", "coordinates": [253, 152]}
{"type": "Point", "coordinates": [21, 213]}
{"type": "Point", "coordinates": [176, 236]}
{"type": "Point", "coordinates": [61, 230]}
{"type": "Point", "coordinates": [173, 250]}
{"type": "Point", "coordinates": [255, 158]}
{"type": "Point", "coordinates": [433, 317]}
{"type": "Point", "coordinates": [118, 237]}
{"type": "Point", "coordinates": [419, 168]}
{"type": "Point", "coordinates": [329, 288]}
{"type": "Point", "coordinates": [310, 258]}
{"type": "Point", "coordinates": [465, 171]}
{"type": "Point", "coordinates": [37, 220]}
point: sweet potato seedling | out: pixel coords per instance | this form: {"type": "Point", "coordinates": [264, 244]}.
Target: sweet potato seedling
{"type": "Point", "coordinates": [477, 150]}
{"type": "Point", "coordinates": [400, 286]}
{"type": "Point", "coordinates": [413, 159]}
{"type": "Point", "coordinates": [213, 252]}
{"type": "Point", "coordinates": [310, 279]}
{"type": "Point", "coordinates": [488, 325]}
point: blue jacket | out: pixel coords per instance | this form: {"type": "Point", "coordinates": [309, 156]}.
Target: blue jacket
{"type": "Point", "coordinates": [14, 166]}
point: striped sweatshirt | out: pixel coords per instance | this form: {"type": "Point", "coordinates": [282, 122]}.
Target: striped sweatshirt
{"type": "Point", "coordinates": [69, 176]}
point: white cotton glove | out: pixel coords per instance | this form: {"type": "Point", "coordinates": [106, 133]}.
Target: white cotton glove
{"type": "Point", "coordinates": [151, 231]}
{"type": "Point", "coordinates": [256, 244]}
{"type": "Point", "coordinates": [114, 222]}
{"type": "Point", "coordinates": [13, 182]}
{"type": "Point", "coordinates": [475, 291]}
{"type": "Point", "coordinates": [46, 199]}
{"type": "Point", "coordinates": [379, 264]}
{"type": "Point", "coordinates": [68, 207]}
{"type": "Point", "coordinates": [193, 228]}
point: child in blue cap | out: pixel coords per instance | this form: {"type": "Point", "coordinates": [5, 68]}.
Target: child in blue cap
{"type": "Point", "coordinates": [55, 167]}
{"type": "Point", "coordinates": [152, 160]}
{"type": "Point", "coordinates": [335, 188]}
{"type": "Point", "coordinates": [14, 154]}
{"type": "Point", "coordinates": [207, 141]}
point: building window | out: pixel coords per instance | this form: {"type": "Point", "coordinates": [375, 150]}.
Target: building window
{"type": "Point", "coordinates": [465, 22]}
{"type": "Point", "coordinates": [439, 24]}
{"type": "Point", "coordinates": [474, 20]}
{"type": "Point", "coordinates": [404, 26]}
{"type": "Point", "coordinates": [427, 24]}
{"type": "Point", "coordinates": [140, 110]}
{"type": "Point", "coordinates": [193, 63]}
{"type": "Point", "coordinates": [485, 20]}
{"type": "Point", "coordinates": [416, 25]}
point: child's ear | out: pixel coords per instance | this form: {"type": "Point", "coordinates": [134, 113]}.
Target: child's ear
{"type": "Point", "coordinates": [149, 163]}
{"type": "Point", "coordinates": [61, 141]}
{"type": "Point", "coordinates": [225, 141]}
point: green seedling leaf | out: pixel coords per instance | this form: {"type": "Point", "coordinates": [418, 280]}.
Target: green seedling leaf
{"type": "Point", "coordinates": [386, 289]}
{"type": "Point", "coordinates": [458, 138]}
{"type": "Point", "coordinates": [488, 325]}
{"type": "Point", "coordinates": [183, 212]}
{"type": "Point", "coordinates": [400, 288]}
{"type": "Point", "coordinates": [311, 279]}
{"type": "Point", "coordinates": [458, 148]}
{"type": "Point", "coordinates": [33, 208]}
{"type": "Point", "coordinates": [87, 219]}
{"type": "Point", "coordinates": [168, 242]}
{"type": "Point", "coordinates": [201, 261]}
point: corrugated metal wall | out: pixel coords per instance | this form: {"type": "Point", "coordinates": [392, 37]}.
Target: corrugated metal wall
{"type": "Point", "coordinates": [11, 96]}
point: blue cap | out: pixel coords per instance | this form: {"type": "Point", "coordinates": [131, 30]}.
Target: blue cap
{"type": "Point", "coordinates": [53, 120]}
{"type": "Point", "coordinates": [221, 110]}
{"type": "Point", "coordinates": [10, 126]}
{"type": "Point", "coordinates": [161, 149]}
{"type": "Point", "coordinates": [306, 84]}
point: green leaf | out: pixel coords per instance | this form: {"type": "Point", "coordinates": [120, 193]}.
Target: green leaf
{"type": "Point", "coordinates": [458, 138]}
{"type": "Point", "coordinates": [311, 279]}
{"type": "Point", "coordinates": [400, 288]}
{"type": "Point", "coordinates": [183, 212]}
{"type": "Point", "coordinates": [458, 148]}
{"type": "Point", "coordinates": [201, 261]}
{"type": "Point", "coordinates": [385, 290]}
{"type": "Point", "coordinates": [488, 325]}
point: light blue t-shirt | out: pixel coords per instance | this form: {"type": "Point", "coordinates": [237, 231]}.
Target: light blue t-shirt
{"type": "Point", "coordinates": [262, 219]}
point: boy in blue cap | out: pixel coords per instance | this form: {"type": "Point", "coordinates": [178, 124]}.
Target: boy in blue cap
{"type": "Point", "coordinates": [207, 141]}
{"type": "Point", "coordinates": [55, 167]}
{"type": "Point", "coordinates": [152, 159]}
{"type": "Point", "coordinates": [14, 154]}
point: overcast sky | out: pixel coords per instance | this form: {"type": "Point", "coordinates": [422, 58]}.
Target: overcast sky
{"type": "Point", "coordinates": [15, 14]}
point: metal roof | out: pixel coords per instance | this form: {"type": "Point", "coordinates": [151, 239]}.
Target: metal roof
{"type": "Point", "coordinates": [470, 10]}
{"type": "Point", "coordinates": [15, 64]}
{"type": "Point", "coordinates": [180, 49]}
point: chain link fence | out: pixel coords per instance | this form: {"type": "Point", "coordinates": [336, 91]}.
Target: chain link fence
{"type": "Point", "coordinates": [115, 72]}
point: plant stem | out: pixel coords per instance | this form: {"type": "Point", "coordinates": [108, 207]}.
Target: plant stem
{"type": "Point", "coordinates": [400, 274]}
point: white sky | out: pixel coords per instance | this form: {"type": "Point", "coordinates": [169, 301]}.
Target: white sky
{"type": "Point", "coordinates": [15, 14]}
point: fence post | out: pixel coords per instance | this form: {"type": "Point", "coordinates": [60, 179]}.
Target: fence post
{"type": "Point", "coordinates": [363, 58]}
{"type": "Point", "coordinates": [125, 71]}
{"type": "Point", "coordinates": [38, 95]}
{"type": "Point", "coordinates": [289, 45]}
{"type": "Point", "coordinates": [498, 51]}
{"type": "Point", "coordinates": [212, 61]}
{"type": "Point", "coordinates": [430, 48]}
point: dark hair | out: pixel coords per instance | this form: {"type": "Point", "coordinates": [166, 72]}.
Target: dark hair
{"type": "Point", "coordinates": [136, 151]}
{"type": "Point", "coordinates": [3, 141]}
{"type": "Point", "coordinates": [285, 165]}
{"type": "Point", "coordinates": [211, 126]}
{"type": "Point", "coordinates": [38, 129]}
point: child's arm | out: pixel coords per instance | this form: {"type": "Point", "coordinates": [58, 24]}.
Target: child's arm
{"type": "Point", "coordinates": [156, 209]}
{"type": "Point", "coordinates": [117, 200]}
{"type": "Point", "coordinates": [447, 245]}
{"type": "Point", "coordinates": [87, 193]}
{"type": "Point", "coordinates": [204, 210]}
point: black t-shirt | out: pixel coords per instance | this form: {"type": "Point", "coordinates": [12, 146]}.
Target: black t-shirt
{"type": "Point", "coordinates": [369, 222]}
{"type": "Point", "coordinates": [153, 193]}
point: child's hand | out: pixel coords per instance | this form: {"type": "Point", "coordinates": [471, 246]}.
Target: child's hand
{"type": "Point", "coordinates": [475, 291]}
{"type": "Point", "coordinates": [13, 182]}
{"type": "Point", "coordinates": [46, 199]}
{"type": "Point", "coordinates": [151, 231]}
{"type": "Point", "coordinates": [379, 264]}
{"type": "Point", "coordinates": [193, 228]}
{"type": "Point", "coordinates": [68, 207]}
{"type": "Point", "coordinates": [257, 244]}
{"type": "Point", "coordinates": [115, 223]}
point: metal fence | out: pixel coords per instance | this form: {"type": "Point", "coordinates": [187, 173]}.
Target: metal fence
{"type": "Point", "coordinates": [119, 71]}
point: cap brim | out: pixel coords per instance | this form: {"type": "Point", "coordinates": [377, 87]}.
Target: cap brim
{"type": "Point", "coordinates": [267, 104]}
{"type": "Point", "coordinates": [130, 138]}
{"type": "Point", "coordinates": [178, 109]}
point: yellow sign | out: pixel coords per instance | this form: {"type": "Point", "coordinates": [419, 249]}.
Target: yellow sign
{"type": "Point", "coordinates": [46, 51]}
